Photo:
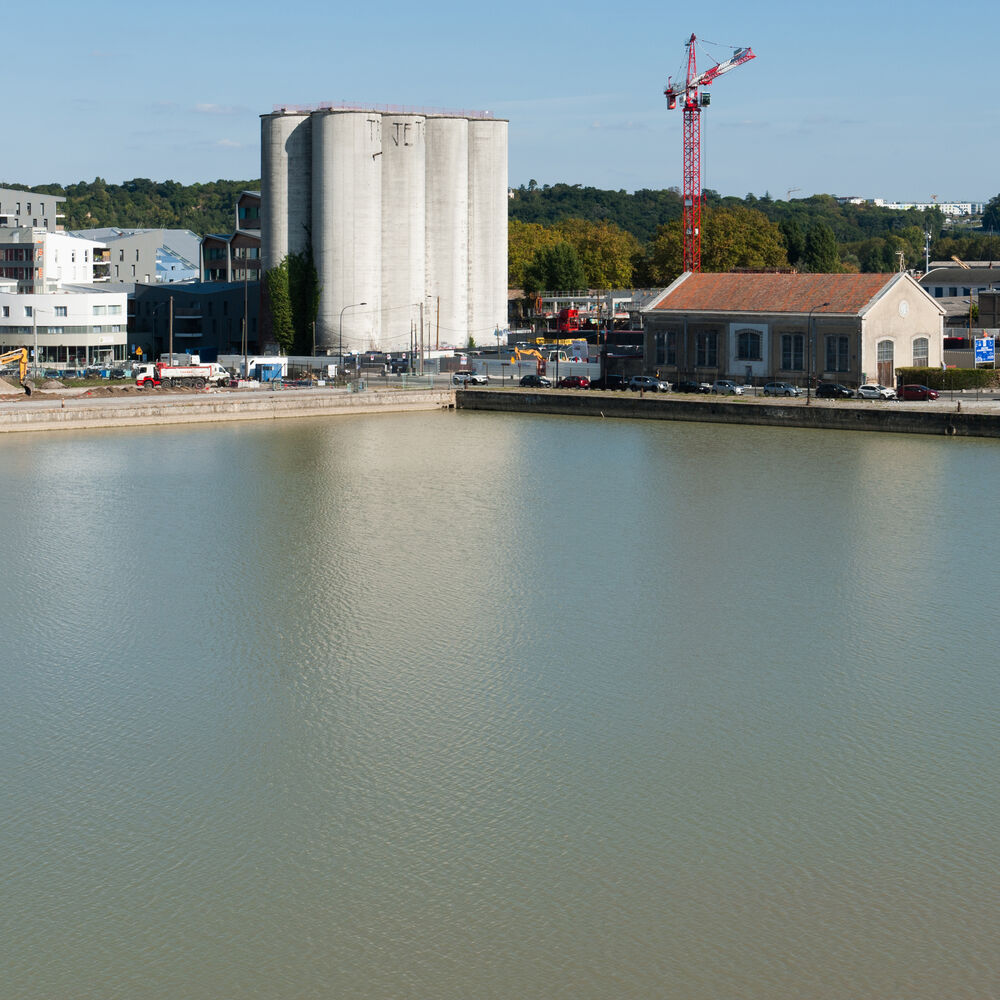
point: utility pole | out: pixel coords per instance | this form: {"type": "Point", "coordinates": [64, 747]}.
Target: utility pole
{"type": "Point", "coordinates": [421, 337]}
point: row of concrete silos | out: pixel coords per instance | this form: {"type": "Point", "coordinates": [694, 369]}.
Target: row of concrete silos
{"type": "Point", "coordinates": [402, 211]}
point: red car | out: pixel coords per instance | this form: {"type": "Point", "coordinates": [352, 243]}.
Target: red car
{"type": "Point", "coordinates": [917, 392]}
{"type": "Point", "coordinates": [574, 382]}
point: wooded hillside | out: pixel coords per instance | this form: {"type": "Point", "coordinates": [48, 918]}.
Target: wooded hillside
{"type": "Point", "coordinates": [565, 236]}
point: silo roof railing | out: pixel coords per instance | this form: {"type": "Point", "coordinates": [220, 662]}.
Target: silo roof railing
{"type": "Point", "coordinates": [385, 109]}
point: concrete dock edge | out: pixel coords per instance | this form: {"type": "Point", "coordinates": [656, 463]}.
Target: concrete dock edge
{"type": "Point", "coordinates": [896, 418]}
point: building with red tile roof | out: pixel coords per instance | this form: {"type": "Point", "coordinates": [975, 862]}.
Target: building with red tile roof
{"type": "Point", "coordinates": [850, 328]}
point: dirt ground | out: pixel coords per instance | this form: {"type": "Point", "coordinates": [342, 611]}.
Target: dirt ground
{"type": "Point", "coordinates": [12, 392]}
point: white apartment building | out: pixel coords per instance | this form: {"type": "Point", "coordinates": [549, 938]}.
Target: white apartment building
{"type": "Point", "coordinates": [72, 327]}
{"type": "Point", "coordinates": [38, 260]}
{"type": "Point", "coordinates": [48, 298]}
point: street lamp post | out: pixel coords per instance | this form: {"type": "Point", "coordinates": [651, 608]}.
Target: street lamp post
{"type": "Point", "coordinates": [351, 305]}
{"type": "Point", "coordinates": [34, 330]}
{"type": "Point", "coordinates": [809, 345]}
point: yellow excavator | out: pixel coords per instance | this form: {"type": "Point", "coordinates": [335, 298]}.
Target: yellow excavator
{"type": "Point", "coordinates": [21, 357]}
{"type": "Point", "coordinates": [528, 354]}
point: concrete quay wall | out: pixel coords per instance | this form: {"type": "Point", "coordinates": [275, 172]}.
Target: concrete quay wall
{"type": "Point", "coordinates": [76, 413]}
{"type": "Point", "coordinates": [898, 418]}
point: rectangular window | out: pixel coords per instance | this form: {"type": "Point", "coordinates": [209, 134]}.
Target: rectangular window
{"type": "Point", "coordinates": [661, 349]}
{"type": "Point", "coordinates": [748, 345]}
{"type": "Point", "coordinates": [100, 310]}
{"type": "Point", "coordinates": [837, 354]}
{"type": "Point", "coordinates": [792, 352]}
{"type": "Point", "coordinates": [920, 352]}
{"type": "Point", "coordinates": [60, 310]}
{"type": "Point", "coordinates": [121, 254]}
{"type": "Point", "coordinates": [6, 310]}
{"type": "Point", "coordinates": [707, 350]}
{"type": "Point", "coordinates": [114, 310]}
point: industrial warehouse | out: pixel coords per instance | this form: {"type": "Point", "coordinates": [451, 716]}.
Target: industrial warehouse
{"type": "Point", "coordinates": [405, 214]}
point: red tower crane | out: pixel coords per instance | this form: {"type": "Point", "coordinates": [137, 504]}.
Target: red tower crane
{"type": "Point", "coordinates": [693, 103]}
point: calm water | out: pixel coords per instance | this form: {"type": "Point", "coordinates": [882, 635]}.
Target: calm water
{"type": "Point", "coordinates": [462, 705]}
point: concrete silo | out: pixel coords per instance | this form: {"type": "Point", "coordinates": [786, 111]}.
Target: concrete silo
{"type": "Point", "coordinates": [286, 184]}
{"type": "Point", "coordinates": [447, 225]}
{"type": "Point", "coordinates": [347, 227]}
{"type": "Point", "coordinates": [487, 229]}
{"type": "Point", "coordinates": [403, 227]}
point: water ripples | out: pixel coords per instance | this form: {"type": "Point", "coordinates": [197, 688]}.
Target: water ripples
{"type": "Point", "coordinates": [457, 705]}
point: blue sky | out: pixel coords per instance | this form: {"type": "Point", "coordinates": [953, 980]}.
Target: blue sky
{"type": "Point", "coordinates": [878, 99]}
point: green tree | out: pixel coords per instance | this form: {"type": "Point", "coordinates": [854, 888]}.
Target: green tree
{"type": "Point", "coordinates": [732, 238]}
{"type": "Point", "coordinates": [991, 215]}
{"type": "Point", "coordinates": [279, 306]}
{"type": "Point", "coordinates": [555, 268]}
{"type": "Point", "coordinates": [821, 255]}
{"type": "Point", "coordinates": [795, 240]}
{"type": "Point", "coordinates": [606, 251]}
{"type": "Point", "coordinates": [524, 240]}
{"type": "Point", "coordinates": [303, 296]}
{"type": "Point", "coordinates": [739, 238]}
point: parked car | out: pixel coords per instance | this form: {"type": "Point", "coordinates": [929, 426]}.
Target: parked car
{"type": "Point", "coordinates": [833, 390]}
{"type": "Point", "coordinates": [917, 392]}
{"type": "Point", "coordinates": [468, 378]}
{"type": "Point", "coordinates": [535, 382]}
{"type": "Point", "coordinates": [875, 392]}
{"type": "Point", "coordinates": [727, 387]}
{"type": "Point", "coordinates": [687, 385]}
{"type": "Point", "coordinates": [574, 382]}
{"type": "Point", "coordinates": [781, 389]}
{"type": "Point", "coordinates": [648, 383]}
{"type": "Point", "coordinates": [609, 382]}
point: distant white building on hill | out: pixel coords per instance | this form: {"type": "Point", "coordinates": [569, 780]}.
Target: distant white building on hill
{"type": "Point", "coordinates": [957, 209]}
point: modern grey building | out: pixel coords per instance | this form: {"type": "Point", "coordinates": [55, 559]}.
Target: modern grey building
{"type": "Point", "coordinates": [235, 256]}
{"type": "Point", "coordinates": [405, 213]}
{"type": "Point", "coordinates": [149, 256]}
{"type": "Point", "coordinates": [204, 318]}
{"type": "Point", "coordinates": [24, 208]}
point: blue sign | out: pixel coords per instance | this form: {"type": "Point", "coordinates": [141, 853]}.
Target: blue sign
{"type": "Point", "coordinates": [985, 350]}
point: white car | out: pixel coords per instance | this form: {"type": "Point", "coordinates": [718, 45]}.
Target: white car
{"type": "Point", "coordinates": [468, 378]}
{"type": "Point", "coordinates": [875, 392]}
{"type": "Point", "coordinates": [727, 387]}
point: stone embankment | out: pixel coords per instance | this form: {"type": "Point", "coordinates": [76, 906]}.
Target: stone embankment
{"type": "Point", "coordinates": [952, 418]}
{"type": "Point", "coordinates": [68, 410]}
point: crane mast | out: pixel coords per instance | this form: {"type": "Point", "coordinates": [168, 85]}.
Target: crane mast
{"type": "Point", "coordinates": [693, 102]}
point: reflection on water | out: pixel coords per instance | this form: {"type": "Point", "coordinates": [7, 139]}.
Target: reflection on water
{"type": "Point", "coordinates": [456, 705]}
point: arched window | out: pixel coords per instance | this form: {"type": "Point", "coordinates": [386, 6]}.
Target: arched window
{"type": "Point", "coordinates": [920, 352]}
{"type": "Point", "coordinates": [748, 345]}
